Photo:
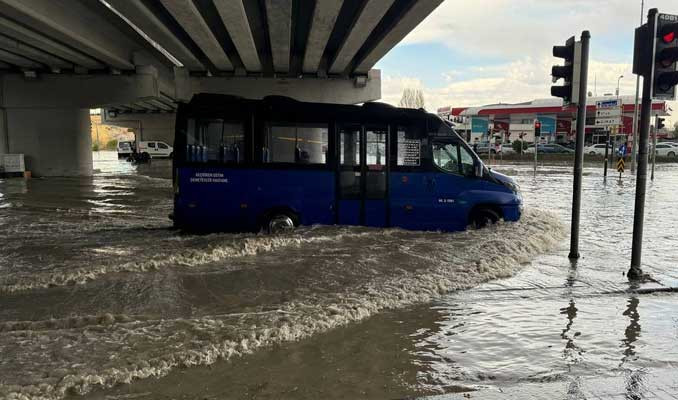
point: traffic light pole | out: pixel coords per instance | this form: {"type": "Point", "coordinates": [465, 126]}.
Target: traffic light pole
{"type": "Point", "coordinates": [579, 152]}
{"type": "Point", "coordinates": [654, 145]}
{"type": "Point", "coordinates": [636, 272]}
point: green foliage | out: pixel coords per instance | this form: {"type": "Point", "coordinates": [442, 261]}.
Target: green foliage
{"type": "Point", "coordinates": [516, 144]}
{"type": "Point", "coordinates": [95, 146]}
{"type": "Point", "coordinates": [111, 145]}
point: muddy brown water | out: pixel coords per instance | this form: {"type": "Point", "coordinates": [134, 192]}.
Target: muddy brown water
{"type": "Point", "coordinates": [99, 297]}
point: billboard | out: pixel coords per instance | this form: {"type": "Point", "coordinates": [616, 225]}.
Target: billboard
{"type": "Point", "coordinates": [548, 124]}
{"type": "Point", "coordinates": [479, 124]}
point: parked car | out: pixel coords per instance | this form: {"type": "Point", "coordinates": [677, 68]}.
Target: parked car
{"type": "Point", "coordinates": [506, 148]}
{"type": "Point", "coordinates": [482, 148]}
{"type": "Point", "coordinates": [674, 144]}
{"type": "Point", "coordinates": [155, 149]}
{"type": "Point", "coordinates": [597, 149]}
{"type": "Point", "coordinates": [551, 148]}
{"type": "Point", "coordinates": [666, 150]}
{"type": "Point", "coordinates": [125, 148]}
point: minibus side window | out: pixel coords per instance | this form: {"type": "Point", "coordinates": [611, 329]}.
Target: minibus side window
{"type": "Point", "coordinates": [467, 162]}
{"type": "Point", "coordinates": [300, 144]}
{"type": "Point", "coordinates": [446, 156]}
{"type": "Point", "coordinates": [215, 140]}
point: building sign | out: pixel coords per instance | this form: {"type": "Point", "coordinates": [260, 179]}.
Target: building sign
{"type": "Point", "coordinates": [479, 124]}
{"type": "Point", "coordinates": [608, 103]}
{"type": "Point", "coordinates": [564, 126]}
{"type": "Point", "coordinates": [409, 152]}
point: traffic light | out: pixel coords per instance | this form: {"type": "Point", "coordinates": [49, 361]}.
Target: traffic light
{"type": "Point", "coordinates": [666, 57]}
{"type": "Point", "coordinates": [660, 123]}
{"type": "Point", "coordinates": [570, 72]}
{"type": "Point", "coordinates": [537, 128]}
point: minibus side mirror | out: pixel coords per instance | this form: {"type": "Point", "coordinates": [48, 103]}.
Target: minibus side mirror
{"type": "Point", "coordinates": [478, 169]}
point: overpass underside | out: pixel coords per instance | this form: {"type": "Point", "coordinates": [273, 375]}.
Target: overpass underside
{"type": "Point", "coordinates": [138, 58]}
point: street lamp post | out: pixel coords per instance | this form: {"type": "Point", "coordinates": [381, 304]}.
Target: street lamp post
{"type": "Point", "coordinates": [621, 107]}
{"type": "Point", "coordinates": [621, 120]}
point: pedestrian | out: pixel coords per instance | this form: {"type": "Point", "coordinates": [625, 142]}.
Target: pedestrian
{"type": "Point", "coordinates": [622, 149]}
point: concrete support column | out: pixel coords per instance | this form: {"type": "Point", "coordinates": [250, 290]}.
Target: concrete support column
{"type": "Point", "coordinates": [54, 141]}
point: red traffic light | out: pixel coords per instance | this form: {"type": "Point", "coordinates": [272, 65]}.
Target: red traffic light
{"type": "Point", "coordinates": [537, 124]}
{"type": "Point", "coordinates": [668, 32]}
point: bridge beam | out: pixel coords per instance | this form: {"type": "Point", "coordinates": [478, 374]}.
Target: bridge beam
{"type": "Point", "coordinates": [279, 19]}
{"type": "Point", "coordinates": [233, 15]}
{"type": "Point", "coordinates": [407, 22]}
{"type": "Point", "coordinates": [324, 17]}
{"type": "Point", "coordinates": [188, 15]}
{"type": "Point", "coordinates": [368, 19]}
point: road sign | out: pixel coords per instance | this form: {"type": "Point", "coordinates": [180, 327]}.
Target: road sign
{"type": "Point", "coordinates": [608, 121]}
{"type": "Point", "coordinates": [608, 103]}
{"type": "Point", "coordinates": [620, 165]}
{"type": "Point", "coordinates": [608, 112]}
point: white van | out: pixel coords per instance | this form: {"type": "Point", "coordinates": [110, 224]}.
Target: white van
{"type": "Point", "coordinates": [125, 148]}
{"type": "Point", "coordinates": [154, 149]}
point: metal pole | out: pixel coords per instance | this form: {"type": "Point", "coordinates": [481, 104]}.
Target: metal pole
{"type": "Point", "coordinates": [654, 145]}
{"type": "Point", "coordinates": [635, 272]}
{"type": "Point", "coordinates": [535, 155]}
{"type": "Point", "coordinates": [634, 144]}
{"type": "Point", "coordinates": [607, 148]}
{"type": "Point", "coordinates": [579, 146]}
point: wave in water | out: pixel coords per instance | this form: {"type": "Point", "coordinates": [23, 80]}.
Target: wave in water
{"type": "Point", "coordinates": [48, 359]}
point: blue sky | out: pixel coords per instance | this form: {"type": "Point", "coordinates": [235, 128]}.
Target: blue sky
{"type": "Point", "coordinates": [474, 52]}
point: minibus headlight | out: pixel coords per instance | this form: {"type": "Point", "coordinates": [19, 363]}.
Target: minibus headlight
{"type": "Point", "coordinates": [513, 186]}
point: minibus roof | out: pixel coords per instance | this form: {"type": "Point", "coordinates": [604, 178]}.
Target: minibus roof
{"type": "Point", "coordinates": [366, 111]}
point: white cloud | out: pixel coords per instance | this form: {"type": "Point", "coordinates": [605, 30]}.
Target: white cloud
{"type": "Point", "coordinates": [522, 32]}
{"type": "Point", "coordinates": [517, 81]}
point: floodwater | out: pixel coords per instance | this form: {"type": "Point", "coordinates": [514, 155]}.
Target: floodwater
{"type": "Point", "coordinates": [99, 297]}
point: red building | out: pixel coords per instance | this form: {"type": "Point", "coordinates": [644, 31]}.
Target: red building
{"type": "Point", "coordinates": [513, 121]}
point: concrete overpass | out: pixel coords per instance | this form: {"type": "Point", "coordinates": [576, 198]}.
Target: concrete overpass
{"type": "Point", "coordinates": [138, 58]}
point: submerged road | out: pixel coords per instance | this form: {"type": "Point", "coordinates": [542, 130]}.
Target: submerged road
{"type": "Point", "coordinates": [97, 291]}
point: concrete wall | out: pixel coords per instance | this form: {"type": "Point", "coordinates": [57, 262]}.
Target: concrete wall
{"type": "Point", "coordinates": [55, 141]}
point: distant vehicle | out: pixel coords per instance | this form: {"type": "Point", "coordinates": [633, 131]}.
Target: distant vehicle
{"type": "Point", "coordinates": [550, 149]}
{"type": "Point", "coordinates": [154, 149]}
{"type": "Point", "coordinates": [666, 150]}
{"type": "Point", "coordinates": [125, 148]}
{"type": "Point", "coordinates": [277, 163]}
{"type": "Point", "coordinates": [506, 148]}
{"type": "Point", "coordinates": [597, 149]}
{"type": "Point", "coordinates": [482, 148]}
{"type": "Point", "coordinates": [674, 144]}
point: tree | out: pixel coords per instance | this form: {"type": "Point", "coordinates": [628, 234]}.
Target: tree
{"type": "Point", "coordinates": [412, 98]}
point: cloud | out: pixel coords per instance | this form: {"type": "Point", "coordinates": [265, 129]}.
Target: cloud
{"type": "Point", "coordinates": [504, 28]}
{"type": "Point", "coordinates": [504, 48]}
{"type": "Point", "coordinates": [517, 81]}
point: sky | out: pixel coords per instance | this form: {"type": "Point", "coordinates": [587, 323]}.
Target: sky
{"type": "Point", "coordinates": [476, 52]}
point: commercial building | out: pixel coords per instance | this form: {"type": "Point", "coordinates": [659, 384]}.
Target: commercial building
{"type": "Point", "coordinates": [508, 122]}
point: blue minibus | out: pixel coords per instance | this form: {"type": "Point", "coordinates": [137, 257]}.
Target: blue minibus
{"type": "Point", "coordinates": [277, 163]}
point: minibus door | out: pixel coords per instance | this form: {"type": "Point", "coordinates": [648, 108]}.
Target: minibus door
{"type": "Point", "coordinates": [362, 176]}
{"type": "Point", "coordinates": [375, 177]}
{"type": "Point", "coordinates": [349, 188]}
{"type": "Point", "coordinates": [454, 176]}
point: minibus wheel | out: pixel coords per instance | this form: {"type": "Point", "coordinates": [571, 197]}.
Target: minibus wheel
{"type": "Point", "coordinates": [279, 222]}
{"type": "Point", "coordinates": [483, 217]}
